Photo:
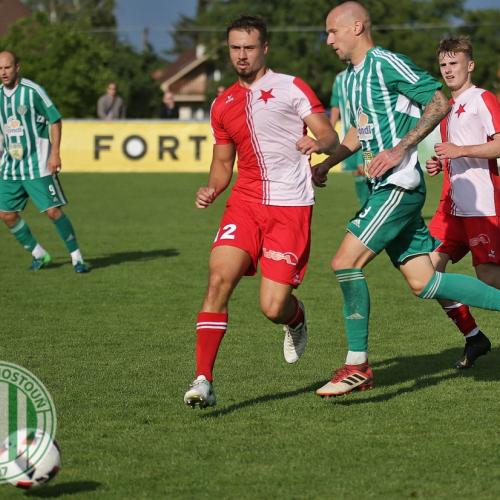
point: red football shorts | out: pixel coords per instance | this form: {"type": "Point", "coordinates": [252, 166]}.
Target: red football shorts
{"type": "Point", "coordinates": [279, 238]}
{"type": "Point", "coordinates": [459, 235]}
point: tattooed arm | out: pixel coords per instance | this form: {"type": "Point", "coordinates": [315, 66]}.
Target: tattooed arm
{"type": "Point", "coordinates": [433, 113]}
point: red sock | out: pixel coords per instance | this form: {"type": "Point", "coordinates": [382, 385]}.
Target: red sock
{"type": "Point", "coordinates": [462, 317]}
{"type": "Point", "coordinates": [298, 315]}
{"type": "Point", "coordinates": [210, 329]}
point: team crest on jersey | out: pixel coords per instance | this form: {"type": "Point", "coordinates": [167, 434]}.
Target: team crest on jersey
{"type": "Point", "coordinates": [16, 150]}
{"type": "Point", "coordinates": [266, 95]}
{"type": "Point", "coordinates": [365, 129]}
{"type": "Point", "coordinates": [22, 110]}
{"type": "Point", "coordinates": [13, 127]}
{"type": "Point", "coordinates": [367, 159]}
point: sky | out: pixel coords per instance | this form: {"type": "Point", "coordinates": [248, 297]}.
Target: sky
{"type": "Point", "coordinates": [159, 15]}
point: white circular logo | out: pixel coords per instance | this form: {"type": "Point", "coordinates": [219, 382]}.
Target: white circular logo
{"type": "Point", "coordinates": [135, 147]}
{"type": "Point", "coordinates": [24, 403]}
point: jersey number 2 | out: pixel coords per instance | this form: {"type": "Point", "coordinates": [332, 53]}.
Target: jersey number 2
{"type": "Point", "coordinates": [229, 229]}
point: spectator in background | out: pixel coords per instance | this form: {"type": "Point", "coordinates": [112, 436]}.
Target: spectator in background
{"type": "Point", "coordinates": [168, 107]}
{"type": "Point", "coordinates": [220, 90]}
{"type": "Point", "coordinates": [110, 106]}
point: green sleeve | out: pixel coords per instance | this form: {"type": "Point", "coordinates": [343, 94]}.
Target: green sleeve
{"type": "Point", "coordinates": [404, 77]}
{"type": "Point", "coordinates": [45, 107]}
{"type": "Point", "coordinates": [335, 99]}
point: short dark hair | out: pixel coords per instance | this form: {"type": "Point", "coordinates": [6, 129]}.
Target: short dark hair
{"type": "Point", "coordinates": [454, 44]}
{"type": "Point", "coordinates": [248, 23]}
{"type": "Point", "coordinates": [14, 56]}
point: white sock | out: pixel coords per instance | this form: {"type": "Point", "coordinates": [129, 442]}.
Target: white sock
{"type": "Point", "coordinates": [472, 333]}
{"type": "Point", "coordinates": [38, 251]}
{"type": "Point", "coordinates": [76, 257]}
{"type": "Point", "coordinates": [356, 358]}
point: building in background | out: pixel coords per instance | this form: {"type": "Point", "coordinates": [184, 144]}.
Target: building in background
{"type": "Point", "coordinates": [188, 78]}
{"type": "Point", "coordinates": [10, 11]}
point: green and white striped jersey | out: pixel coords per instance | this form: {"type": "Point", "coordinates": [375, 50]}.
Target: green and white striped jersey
{"type": "Point", "coordinates": [339, 100]}
{"type": "Point", "coordinates": [386, 93]}
{"type": "Point", "coordinates": [25, 118]}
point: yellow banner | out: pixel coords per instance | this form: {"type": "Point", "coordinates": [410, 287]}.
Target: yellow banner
{"type": "Point", "coordinates": [138, 146]}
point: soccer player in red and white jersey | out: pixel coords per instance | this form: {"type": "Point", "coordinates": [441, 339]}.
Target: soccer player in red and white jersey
{"type": "Point", "coordinates": [262, 118]}
{"type": "Point", "coordinates": [468, 216]}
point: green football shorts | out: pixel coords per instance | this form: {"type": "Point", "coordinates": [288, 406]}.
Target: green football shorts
{"type": "Point", "coordinates": [391, 219]}
{"type": "Point", "coordinates": [46, 192]}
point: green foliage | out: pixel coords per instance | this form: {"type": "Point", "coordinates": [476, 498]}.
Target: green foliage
{"type": "Point", "coordinates": [486, 43]}
{"type": "Point", "coordinates": [132, 72]}
{"type": "Point", "coordinates": [116, 350]}
{"type": "Point", "coordinates": [67, 60]}
{"type": "Point", "coordinates": [100, 13]}
{"type": "Point", "coordinates": [402, 27]}
{"type": "Point", "coordinates": [75, 65]}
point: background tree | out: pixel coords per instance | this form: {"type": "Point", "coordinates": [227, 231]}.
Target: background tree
{"type": "Point", "coordinates": [298, 41]}
{"type": "Point", "coordinates": [100, 13]}
{"type": "Point", "coordinates": [75, 65]}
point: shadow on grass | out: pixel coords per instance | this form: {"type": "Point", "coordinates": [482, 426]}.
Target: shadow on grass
{"type": "Point", "coordinates": [119, 258]}
{"type": "Point", "coordinates": [57, 490]}
{"type": "Point", "coordinates": [424, 370]}
{"type": "Point", "coordinates": [261, 399]}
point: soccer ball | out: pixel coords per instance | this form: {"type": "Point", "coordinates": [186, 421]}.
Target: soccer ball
{"type": "Point", "coordinates": [29, 458]}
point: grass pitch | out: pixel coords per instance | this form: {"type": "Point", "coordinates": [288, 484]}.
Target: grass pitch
{"type": "Point", "coordinates": [115, 348]}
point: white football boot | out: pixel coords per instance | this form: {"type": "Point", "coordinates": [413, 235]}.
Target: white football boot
{"type": "Point", "coordinates": [201, 393]}
{"type": "Point", "coordinates": [295, 339]}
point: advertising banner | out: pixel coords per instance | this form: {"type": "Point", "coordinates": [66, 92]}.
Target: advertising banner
{"type": "Point", "coordinates": [151, 146]}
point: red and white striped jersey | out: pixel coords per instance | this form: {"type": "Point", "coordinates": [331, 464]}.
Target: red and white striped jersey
{"type": "Point", "coordinates": [264, 122]}
{"type": "Point", "coordinates": [471, 185]}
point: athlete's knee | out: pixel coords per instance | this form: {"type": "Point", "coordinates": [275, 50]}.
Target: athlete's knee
{"type": "Point", "coordinates": [342, 261]}
{"type": "Point", "coordinates": [490, 275]}
{"type": "Point", "coordinates": [9, 218]}
{"type": "Point", "coordinates": [274, 312]}
{"type": "Point", "coordinates": [54, 213]}
{"type": "Point", "coordinates": [418, 285]}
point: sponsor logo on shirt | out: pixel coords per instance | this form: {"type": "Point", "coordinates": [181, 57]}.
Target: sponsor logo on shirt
{"type": "Point", "coordinates": [492, 254]}
{"type": "Point", "coordinates": [13, 127]}
{"type": "Point", "coordinates": [365, 129]}
{"type": "Point", "coordinates": [482, 238]}
{"type": "Point", "coordinates": [356, 222]}
{"type": "Point", "coordinates": [229, 99]}
{"type": "Point", "coordinates": [288, 257]}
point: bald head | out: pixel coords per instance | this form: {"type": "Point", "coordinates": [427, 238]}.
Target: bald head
{"type": "Point", "coordinates": [349, 31]}
{"type": "Point", "coordinates": [9, 68]}
{"type": "Point", "coordinates": [350, 12]}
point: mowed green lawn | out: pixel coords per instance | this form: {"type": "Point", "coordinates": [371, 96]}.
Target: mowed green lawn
{"type": "Point", "coordinates": [115, 348]}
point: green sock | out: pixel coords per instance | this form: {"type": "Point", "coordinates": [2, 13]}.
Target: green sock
{"type": "Point", "coordinates": [362, 191]}
{"type": "Point", "coordinates": [65, 231]}
{"type": "Point", "coordinates": [356, 307]}
{"type": "Point", "coordinates": [23, 234]}
{"type": "Point", "coordinates": [465, 289]}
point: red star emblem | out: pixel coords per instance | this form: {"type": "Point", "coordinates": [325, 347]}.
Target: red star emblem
{"type": "Point", "coordinates": [266, 94]}
{"type": "Point", "coordinates": [460, 110]}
